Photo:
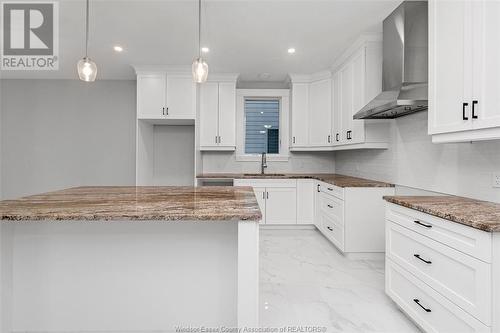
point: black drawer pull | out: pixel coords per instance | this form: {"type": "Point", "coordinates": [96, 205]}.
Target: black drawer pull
{"type": "Point", "coordinates": [420, 258]}
{"type": "Point", "coordinates": [330, 206]}
{"type": "Point", "coordinates": [418, 302]}
{"type": "Point", "coordinates": [474, 116]}
{"type": "Point", "coordinates": [464, 117]}
{"type": "Point", "coordinates": [337, 137]}
{"type": "Point", "coordinates": [330, 189]}
{"type": "Point", "coordinates": [423, 224]}
{"type": "Point", "coordinates": [329, 228]}
{"type": "Point", "coordinates": [318, 187]}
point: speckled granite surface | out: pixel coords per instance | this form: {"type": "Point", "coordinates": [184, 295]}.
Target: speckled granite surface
{"type": "Point", "coordinates": [330, 178]}
{"type": "Point", "coordinates": [136, 203]}
{"type": "Point", "coordinates": [478, 214]}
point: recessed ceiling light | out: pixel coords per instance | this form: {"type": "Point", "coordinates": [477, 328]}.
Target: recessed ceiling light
{"type": "Point", "coordinates": [205, 49]}
{"type": "Point", "coordinates": [118, 48]}
{"type": "Point", "coordinates": [291, 50]}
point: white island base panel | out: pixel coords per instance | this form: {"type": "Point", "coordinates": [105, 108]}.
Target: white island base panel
{"type": "Point", "coordinates": [131, 276]}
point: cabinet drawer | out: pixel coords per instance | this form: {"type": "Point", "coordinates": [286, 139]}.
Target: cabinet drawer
{"type": "Point", "coordinates": [333, 207]}
{"type": "Point", "coordinates": [464, 280]}
{"type": "Point", "coordinates": [468, 240]}
{"type": "Point", "coordinates": [414, 297]}
{"type": "Point", "coordinates": [332, 230]}
{"type": "Point", "coordinates": [332, 190]}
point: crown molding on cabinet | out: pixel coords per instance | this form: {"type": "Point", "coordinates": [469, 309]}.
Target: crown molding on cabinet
{"type": "Point", "coordinates": [359, 42]}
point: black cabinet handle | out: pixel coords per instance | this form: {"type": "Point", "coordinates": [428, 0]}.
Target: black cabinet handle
{"type": "Point", "coordinates": [330, 206]}
{"type": "Point", "coordinates": [293, 139]}
{"type": "Point", "coordinates": [337, 137]}
{"type": "Point", "coordinates": [167, 110]}
{"type": "Point", "coordinates": [418, 302]}
{"type": "Point", "coordinates": [464, 106]}
{"type": "Point", "coordinates": [267, 195]}
{"type": "Point", "coordinates": [329, 138]}
{"type": "Point", "coordinates": [330, 189]}
{"type": "Point", "coordinates": [263, 195]}
{"type": "Point", "coordinates": [423, 224]}
{"type": "Point", "coordinates": [318, 187]}
{"type": "Point", "coordinates": [420, 258]}
{"type": "Point", "coordinates": [163, 111]}
{"type": "Point", "coordinates": [329, 228]}
{"type": "Point", "coordinates": [474, 116]}
{"type": "Point", "coordinates": [349, 135]}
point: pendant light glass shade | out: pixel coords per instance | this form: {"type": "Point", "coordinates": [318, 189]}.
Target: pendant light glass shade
{"type": "Point", "coordinates": [200, 70]}
{"type": "Point", "coordinates": [200, 66]}
{"type": "Point", "coordinates": [87, 70]}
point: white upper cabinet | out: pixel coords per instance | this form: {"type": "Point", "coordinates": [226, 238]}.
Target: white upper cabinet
{"type": "Point", "coordinates": [162, 95]}
{"type": "Point", "coordinates": [181, 96]}
{"type": "Point", "coordinates": [227, 114]}
{"type": "Point", "coordinates": [320, 112]}
{"type": "Point", "coordinates": [336, 114]}
{"type": "Point", "coordinates": [150, 96]}
{"type": "Point", "coordinates": [464, 81]}
{"type": "Point", "coordinates": [218, 115]}
{"type": "Point", "coordinates": [299, 111]}
{"type": "Point", "coordinates": [209, 114]}
{"type": "Point", "coordinates": [357, 79]}
{"type": "Point", "coordinates": [450, 64]}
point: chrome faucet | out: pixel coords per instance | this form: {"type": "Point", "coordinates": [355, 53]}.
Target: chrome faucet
{"type": "Point", "coordinates": [263, 163]}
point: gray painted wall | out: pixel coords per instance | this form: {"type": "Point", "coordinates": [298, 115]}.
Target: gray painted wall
{"type": "Point", "coordinates": [464, 169]}
{"type": "Point", "coordinates": [60, 133]}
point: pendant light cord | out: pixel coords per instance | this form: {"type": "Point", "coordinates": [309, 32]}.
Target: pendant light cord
{"type": "Point", "coordinates": [199, 28]}
{"type": "Point", "coordinates": [87, 30]}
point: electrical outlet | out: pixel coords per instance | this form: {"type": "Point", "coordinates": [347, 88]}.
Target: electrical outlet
{"type": "Point", "coordinates": [496, 180]}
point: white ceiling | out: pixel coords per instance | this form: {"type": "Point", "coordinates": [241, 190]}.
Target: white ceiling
{"type": "Point", "coordinates": [247, 37]}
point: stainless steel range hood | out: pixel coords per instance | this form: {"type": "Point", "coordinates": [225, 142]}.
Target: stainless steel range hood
{"type": "Point", "coordinates": [405, 64]}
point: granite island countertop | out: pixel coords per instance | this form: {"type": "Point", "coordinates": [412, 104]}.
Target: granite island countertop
{"type": "Point", "coordinates": [330, 178]}
{"type": "Point", "coordinates": [119, 203]}
{"type": "Point", "coordinates": [482, 215]}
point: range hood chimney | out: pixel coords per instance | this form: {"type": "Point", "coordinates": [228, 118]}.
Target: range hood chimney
{"type": "Point", "coordinates": [405, 64]}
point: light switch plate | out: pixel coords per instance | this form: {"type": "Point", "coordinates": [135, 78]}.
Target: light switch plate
{"type": "Point", "coordinates": [496, 180]}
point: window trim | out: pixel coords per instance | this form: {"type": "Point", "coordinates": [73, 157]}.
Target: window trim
{"type": "Point", "coordinates": [284, 96]}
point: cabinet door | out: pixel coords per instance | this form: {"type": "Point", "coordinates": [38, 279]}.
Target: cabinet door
{"type": "Point", "coordinates": [305, 201]}
{"type": "Point", "coordinates": [336, 110]}
{"type": "Point", "coordinates": [181, 96]}
{"type": "Point", "coordinates": [281, 207]}
{"type": "Point", "coordinates": [209, 114]}
{"type": "Point", "coordinates": [300, 105]}
{"type": "Point", "coordinates": [320, 112]}
{"type": "Point", "coordinates": [150, 96]}
{"type": "Point", "coordinates": [450, 70]}
{"type": "Point", "coordinates": [486, 88]}
{"type": "Point", "coordinates": [227, 114]}
{"type": "Point", "coordinates": [358, 97]}
{"type": "Point", "coordinates": [260, 194]}
{"type": "Point", "coordinates": [346, 101]}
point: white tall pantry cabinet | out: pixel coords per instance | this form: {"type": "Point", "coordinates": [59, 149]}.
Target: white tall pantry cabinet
{"type": "Point", "coordinates": [464, 81]}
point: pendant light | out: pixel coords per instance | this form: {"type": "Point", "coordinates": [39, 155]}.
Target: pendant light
{"type": "Point", "coordinates": [87, 69]}
{"type": "Point", "coordinates": [200, 66]}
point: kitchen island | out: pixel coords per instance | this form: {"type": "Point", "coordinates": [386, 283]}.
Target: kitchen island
{"type": "Point", "coordinates": [129, 259]}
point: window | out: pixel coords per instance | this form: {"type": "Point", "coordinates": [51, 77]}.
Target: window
{"type": "Point", "coordinates": [262, 117]}
{"type": "Point", "coordinates": [262, 122]}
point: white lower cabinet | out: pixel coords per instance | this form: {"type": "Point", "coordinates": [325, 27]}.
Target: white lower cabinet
{"type": "Point", "coordinates": [444, 275]}
{"type": "Point", "coordinates": [352, 217]}
{"type": "Point", "coordinates": [277, 199]}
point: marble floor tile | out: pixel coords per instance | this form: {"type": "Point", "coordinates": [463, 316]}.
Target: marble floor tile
{"type": "Point", "coordinates": [305, 281]}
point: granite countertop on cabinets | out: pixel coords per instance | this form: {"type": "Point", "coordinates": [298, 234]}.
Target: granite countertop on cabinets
{"type": "Point", "coordinates": [110, 203]}
{"type": "Point", "coordinates": [330, 178]}
{"type": "Point", "coordinates": [482, 215]}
